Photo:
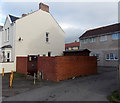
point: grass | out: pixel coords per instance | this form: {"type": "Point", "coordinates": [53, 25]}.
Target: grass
{"type": "Point", "coordinates": [18, 75]}
{"type": "Point", "coordinates": [114, 97]}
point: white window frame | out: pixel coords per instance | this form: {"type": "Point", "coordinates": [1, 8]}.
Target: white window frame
{"type": "Point", "coordinates": [6, 35]}
{"type": "Point", "coordinates": [6, 54]}
{"type": "Point", "coordinates": [47, 37]}
{"type": "Point", "coordinates": [96, 54]}
{"type": "Point", "coordinates": [111, 56]}
{"type": "Point", "coordinates": [115, 36]}
{"type": "Point", "coordinates": [85, 41]}
{"type": "Point", "coordinates": [103, 38]}
{"type": "Point", "coordinates": [7, 38]}
{"type": "Point", "coordinates": [92, 39]}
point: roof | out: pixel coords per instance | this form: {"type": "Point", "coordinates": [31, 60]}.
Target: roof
{"type": "Point", "coordinates": [13, 18]}
{"type": "Point", "coordinates": [7, 46]}
{"type": "Point", "coordinates": [76, 51]}
{"type": "Point", "coordinates": [73, 44]}
{"type": "Point", "coordinates": [102, 30]}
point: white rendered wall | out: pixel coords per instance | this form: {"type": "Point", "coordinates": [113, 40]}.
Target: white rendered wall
{"type": "Point", "coordinates": [32, 29]}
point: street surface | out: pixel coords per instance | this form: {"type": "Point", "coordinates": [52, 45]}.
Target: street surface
{"type": "Point", "coordinates": [86, 88]}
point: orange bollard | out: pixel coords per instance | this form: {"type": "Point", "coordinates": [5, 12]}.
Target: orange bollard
{"type": "Point", "coordinates": [3, 72]}
{"type": "Point", "coordinates": [11, 79]}
{"type": "Point", "coordinates": [12, 72]}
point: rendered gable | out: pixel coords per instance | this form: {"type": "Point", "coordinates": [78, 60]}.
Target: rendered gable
{"type": "Point", "coordinates": [32, 29]}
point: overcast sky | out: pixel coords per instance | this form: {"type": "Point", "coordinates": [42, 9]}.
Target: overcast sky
{"type": "Point", "coordinates": [75, 17]}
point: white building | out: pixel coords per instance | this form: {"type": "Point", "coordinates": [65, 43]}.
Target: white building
{"type": "Point", "coordinates": [32, 34]}
{"type": "Point", "coordinates": [1, 27]}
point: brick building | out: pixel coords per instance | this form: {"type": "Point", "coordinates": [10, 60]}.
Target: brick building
{"type": "Point", "coordinates": [103, 43]}
{"type": "Point", "coordinates": [72, 46]}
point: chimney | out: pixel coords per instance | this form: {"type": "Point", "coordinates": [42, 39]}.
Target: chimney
{"type": "Point", "coordinates": [23, 15]}
{"type": "Point", "coordinates": [44, 7]}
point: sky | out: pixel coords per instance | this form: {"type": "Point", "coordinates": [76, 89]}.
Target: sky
{"type": "Point", "coordinates": [74, 17]}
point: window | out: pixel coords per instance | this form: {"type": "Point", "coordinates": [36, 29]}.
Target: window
{"type": "Point", "coordinates": [44, 55]}
{"type": "Point", "coordinates": [8, 57]}
{"type": "Point", "coordinates": [115, 36]}
{"type": "Point", "coordinates": [49, 54]}
{"type": "Point", "coordinates": [66, 48]}
{"type": "Point", "coordinates": [91, 40]}
{"type": "Point", "coordinates": [6, 35]}
{"type": "Point", "coordinates": [75, 48]}
{"type": "Point", "coordinates": [112, 56]}
{"type": "Point", "coordinates": [84, 41]}
{"type": "Point", "coordinates": [69, 48]}
{"type": "Point", "coordinates": [47, 37]}
{"type": "Point", "coordinates": [97, 55]}
{"type": "Point", "coordinates": [103, 38]}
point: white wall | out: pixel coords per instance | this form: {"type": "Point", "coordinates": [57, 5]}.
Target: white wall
{"type": "Point", "coordinates": [11, 36]}
{"type": "Point", "coordinates": [32, 29]}
{"type": "Point", "coordinates": [8, 25]}
{"type": "Point", "coordinates": [8, 67]}
{"type": "Point", "coordinates": [0, 46]}
{"type": "Point", "coordinates": [0, 39]}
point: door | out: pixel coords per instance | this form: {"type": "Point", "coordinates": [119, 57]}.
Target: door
{"type": "Point", "coordinates": [32, 64]}
{"type": "Point", "coordinates": [8, 56]}
{"type": "Point", "coordinates": [49, 54]}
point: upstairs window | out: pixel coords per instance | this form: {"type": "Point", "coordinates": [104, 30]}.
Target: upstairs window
{"type": "Point", "coordinates": [115, 36]}
{"type": "Point", "coordinates": [6, 35]}
{"type": "Point", "coordinates": [47, 37]}
{"type": "Point", "coordinates": [103, 38]}
{"type": "Point", "coordinates": [84, 41]}
{"type": "Point", "coordinates": [88, 40]}
{"type": "Point", "coordinates": [91, 40]}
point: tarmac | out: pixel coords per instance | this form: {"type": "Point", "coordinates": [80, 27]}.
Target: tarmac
{"type": "Point", "coordinates": [84, 88]}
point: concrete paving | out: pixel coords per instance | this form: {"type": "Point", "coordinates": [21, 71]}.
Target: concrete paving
{"type": "Point", "coordinates": [86, 88]}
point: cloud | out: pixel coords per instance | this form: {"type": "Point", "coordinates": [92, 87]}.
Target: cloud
{"type": "Point", "coordinates": [79, 17]}
{"type": "Point", "coordinates": [68, 26]}
{"type": "Point", "coordinates": [74, 17]}
{"type": "Point", "coordinates": [17, 9]}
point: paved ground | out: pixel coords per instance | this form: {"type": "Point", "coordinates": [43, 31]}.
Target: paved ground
{"type": "Point", "coordinates": [89, 88]}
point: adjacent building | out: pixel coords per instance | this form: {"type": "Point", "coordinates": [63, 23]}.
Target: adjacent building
{"type": "Point", "coordinates": [1, 28]}
{"type": "Point", "coordinates": [72, 46]}
{"type": "Point", "coordinates": [103, 43]}
{"type": "Point", "coordinates": [36, 33]}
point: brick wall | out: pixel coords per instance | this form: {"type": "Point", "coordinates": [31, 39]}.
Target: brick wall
{"type": "Point", "coordinates": [61, 67]}
{"type": "Point", "coordinates": [46, 65]}
{"type": "Point", "coordinates": [22, 65]}
{"type": "Point", "coordinates": [68, 67]}
{"type": "Point", "coordinates": [64, 67]}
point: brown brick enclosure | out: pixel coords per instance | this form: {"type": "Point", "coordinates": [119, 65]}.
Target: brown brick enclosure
{"type": "Point", "coordinates": [60, 67]}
